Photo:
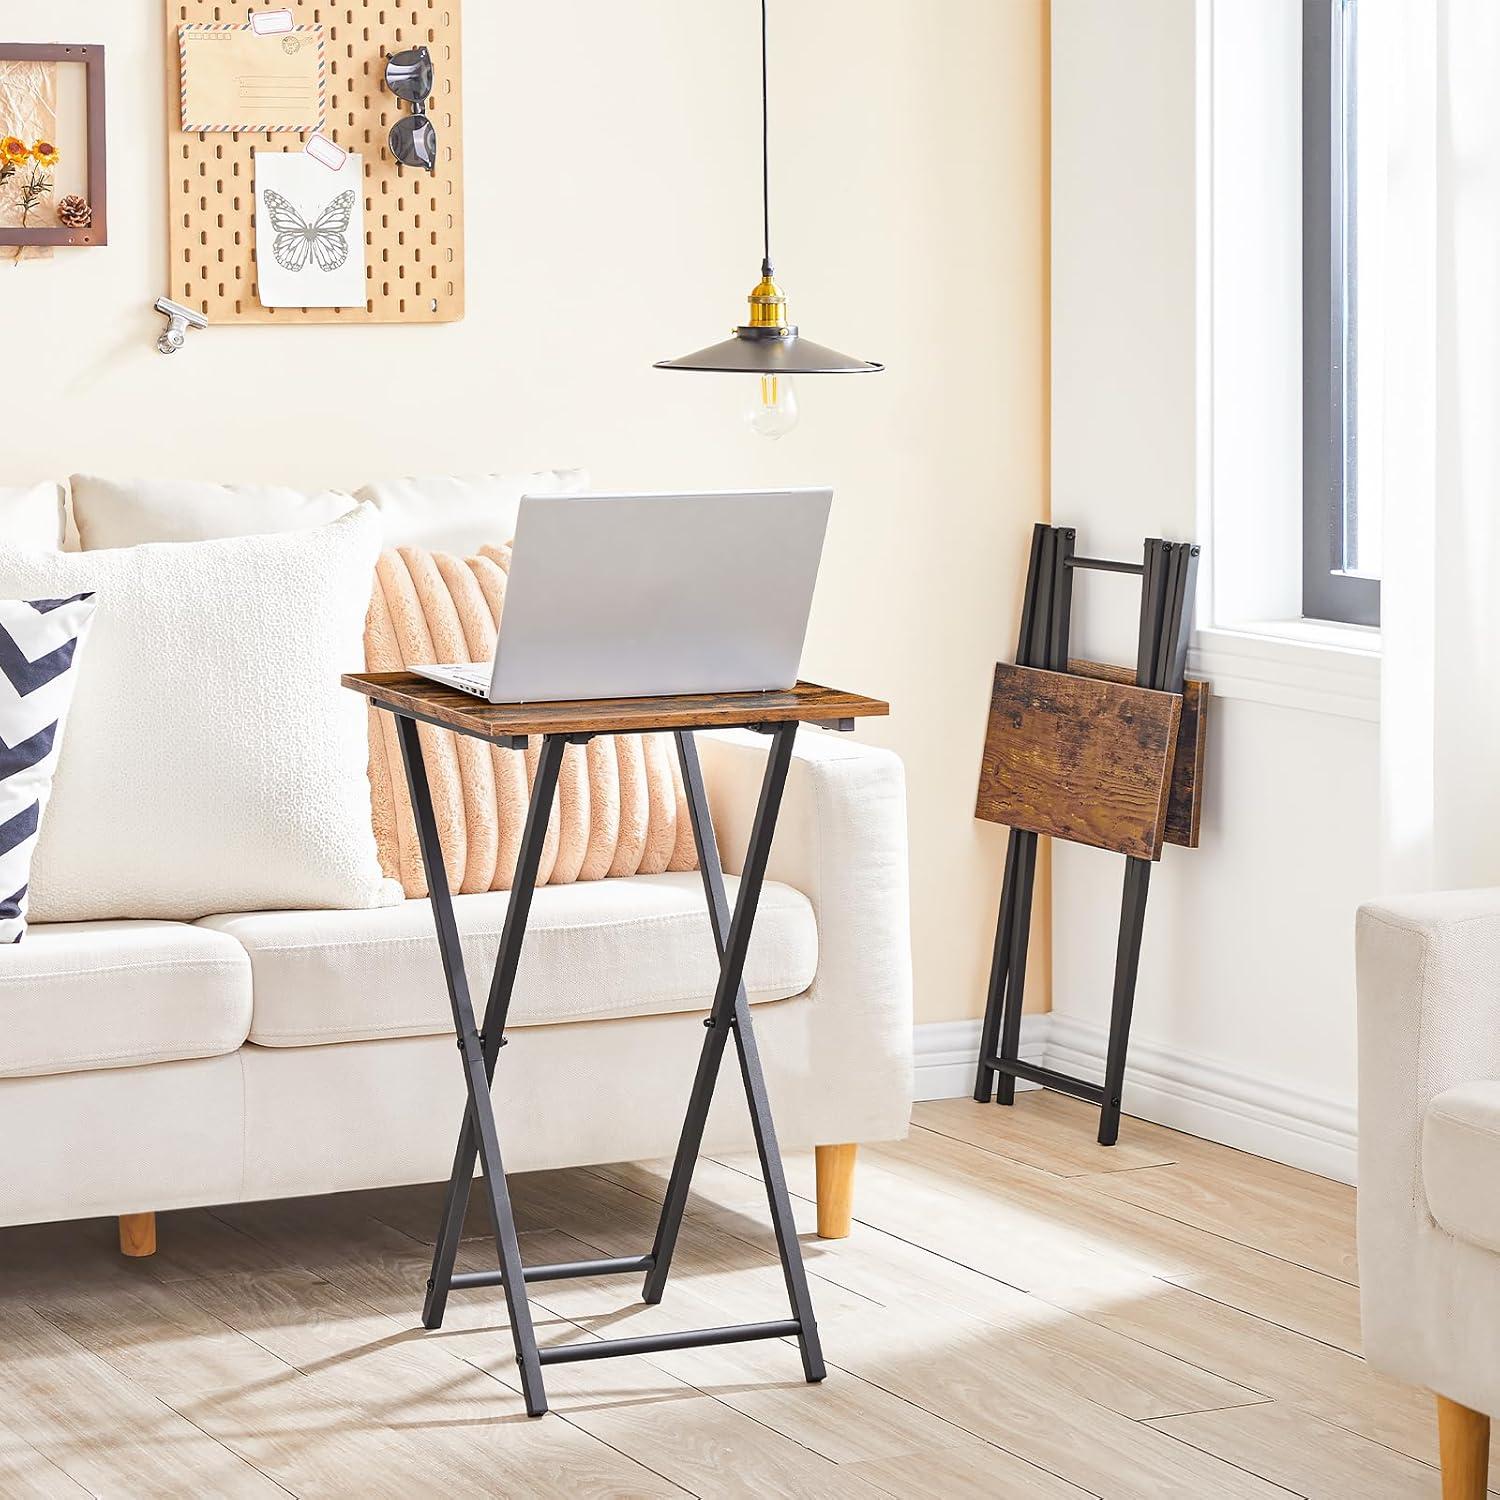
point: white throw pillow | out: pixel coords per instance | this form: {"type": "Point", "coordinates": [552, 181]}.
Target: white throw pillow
{"type": "Point", "coordinates": [39, 640]}
{"type": "Point", "coordinates": [31, 517]}
{"type": "Point", "coordinates": [213, 762]}
{"type": "Point", "coordinates": [125, 513]}
{"type": "Point", "coordinates": [461, 514]}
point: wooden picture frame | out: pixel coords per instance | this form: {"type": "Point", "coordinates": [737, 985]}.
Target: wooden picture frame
{"type": "Point", "coordinates": [92, 58]}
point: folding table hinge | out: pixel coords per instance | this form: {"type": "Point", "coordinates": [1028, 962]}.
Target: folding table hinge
{"type": "Point", "coordinates": [479, 1038]}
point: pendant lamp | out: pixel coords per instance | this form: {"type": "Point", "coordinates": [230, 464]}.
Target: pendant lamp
{"type": "Point", "coordinates": [768, 348]}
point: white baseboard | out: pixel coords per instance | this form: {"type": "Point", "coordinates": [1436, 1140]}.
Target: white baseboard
{"type": "Point", "coordinates": [1195, 1094]}
{"type": "Point", "coordinates": [945, 1054]}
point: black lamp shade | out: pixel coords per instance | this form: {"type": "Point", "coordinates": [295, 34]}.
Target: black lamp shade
{"type": "Point", "coordinates": [792, 355]}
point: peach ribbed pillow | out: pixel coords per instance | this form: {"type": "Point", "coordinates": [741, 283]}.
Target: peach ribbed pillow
{"type": "Point", "coordinates": [619, 808]}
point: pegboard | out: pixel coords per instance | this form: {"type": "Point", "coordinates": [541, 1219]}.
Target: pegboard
{"type": "Point", "coordinates": [414, 220]}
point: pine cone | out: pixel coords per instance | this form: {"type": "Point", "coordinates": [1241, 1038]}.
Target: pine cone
{"type": "Point", "coordinates": [74, 211]}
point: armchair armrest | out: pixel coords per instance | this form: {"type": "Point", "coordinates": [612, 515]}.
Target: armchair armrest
{"type": "Point", "coordinates": [1429, 1018]}
{"type": "Point", "coordinates": [1429, 1021]}
{"type": "Point", "coordinates": [841, 841]}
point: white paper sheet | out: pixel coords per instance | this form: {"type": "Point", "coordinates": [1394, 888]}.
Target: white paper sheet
{"type": "Point", "coordinates": [309, 231]}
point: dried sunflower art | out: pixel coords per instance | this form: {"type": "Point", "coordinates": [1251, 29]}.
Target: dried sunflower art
{"type": "Point", "coordinates": [37, 183]}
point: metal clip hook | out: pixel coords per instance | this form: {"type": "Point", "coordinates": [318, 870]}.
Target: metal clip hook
{"type": "Point", "coordinates": [179, 320]}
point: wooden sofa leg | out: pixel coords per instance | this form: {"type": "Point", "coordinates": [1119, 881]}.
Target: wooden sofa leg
{"type": "Point", "coordinates": [835, 1169]}
{"type": "Point", "coordinates": [1464, 1449]}
{"type": "Point", "coordinates": [138, 1234]}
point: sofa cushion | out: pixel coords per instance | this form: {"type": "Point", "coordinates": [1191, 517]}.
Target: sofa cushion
{"type": "Point", "coordinates": [212, 762]}
{"type": "Point", "coordinates": [126, 512]}
{"type": "Point", "coordinates": [39, 656]}
{"type": "Point", "coordinates": [605, 948]}
{"type": "Point", "coordinates": [619, 809]}
{"type": "Point", "coordinates": [79, 995]}
{"type": "Point", "coordinates": [32, 517]}
{"type": "Point", "coordinates": [461, 512]}
{"type": "Point", "coordinates": [1461, 1162]}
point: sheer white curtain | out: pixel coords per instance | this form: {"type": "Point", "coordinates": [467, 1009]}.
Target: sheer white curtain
{"type": "Point", "coordinates": [1429, 403]}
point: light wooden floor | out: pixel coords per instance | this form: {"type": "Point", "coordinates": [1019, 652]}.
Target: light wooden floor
{"type": "Point", "coordinates": [1018, 1313]}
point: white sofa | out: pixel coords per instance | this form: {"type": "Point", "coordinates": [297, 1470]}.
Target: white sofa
{"type": "Point", "coordinates": [1429, 1160]}
{"type": "Point", "coordinates": [152, 1065]}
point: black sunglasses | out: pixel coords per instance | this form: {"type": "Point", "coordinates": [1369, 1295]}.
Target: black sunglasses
{"type": "Point", "coordinates": [409, 76]}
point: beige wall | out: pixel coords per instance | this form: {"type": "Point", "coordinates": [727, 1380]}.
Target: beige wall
{"type": "Point", "coordinates": [612, 220]}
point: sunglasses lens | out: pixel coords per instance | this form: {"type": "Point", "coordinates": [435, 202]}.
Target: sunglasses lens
{"type": "Point", "coordinates": [413, 142]}
{"type": "Point", "coordinates": [409, 76]}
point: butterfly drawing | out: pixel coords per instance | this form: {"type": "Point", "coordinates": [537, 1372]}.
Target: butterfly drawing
{"type": "Point", "coordinates": [325, 241]}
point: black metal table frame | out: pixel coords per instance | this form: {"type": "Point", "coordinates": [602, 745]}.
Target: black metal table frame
{"type": "Point", "coordinates": [1169, 575]}
{"type": "Point", "coordinates": [480, 1048]}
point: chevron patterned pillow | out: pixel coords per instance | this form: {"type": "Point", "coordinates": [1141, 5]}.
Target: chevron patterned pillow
{"type": "Point", "coordinates": [38, 648]}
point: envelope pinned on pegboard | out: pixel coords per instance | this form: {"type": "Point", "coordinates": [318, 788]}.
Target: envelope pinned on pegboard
{"type": "Point", "coordinates": [236, 79]}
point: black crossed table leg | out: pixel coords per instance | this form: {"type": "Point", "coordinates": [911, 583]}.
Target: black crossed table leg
{"type": "Point", "coordinates": [480, 1048]}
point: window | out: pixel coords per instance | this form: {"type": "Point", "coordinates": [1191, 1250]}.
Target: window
{"type": "Point", "coordinates": [1340, 546]}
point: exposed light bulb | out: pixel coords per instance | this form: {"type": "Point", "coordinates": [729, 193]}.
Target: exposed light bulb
{"type": "Point", "coordinates": [772, 411]}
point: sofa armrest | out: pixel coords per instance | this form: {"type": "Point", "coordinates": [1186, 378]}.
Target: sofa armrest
{"type": "Point", "coordinates": [841, 841]}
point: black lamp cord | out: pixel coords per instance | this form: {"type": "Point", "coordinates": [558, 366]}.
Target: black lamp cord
{"type": "Point", "coordinates": [766, 268]}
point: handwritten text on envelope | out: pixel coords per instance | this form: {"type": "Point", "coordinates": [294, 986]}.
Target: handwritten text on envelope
{"type": "Point", "coordinates": [233, 79]}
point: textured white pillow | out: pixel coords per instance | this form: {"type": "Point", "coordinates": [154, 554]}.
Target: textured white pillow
{"type": "Point", "coordinates": [31, 517]}
{"type": "Point", "coordinates": [213, 763]}
{"type": "Point", "coordinates": [461, 514]}
{"type": "Point", "coordinates": [125, 513]}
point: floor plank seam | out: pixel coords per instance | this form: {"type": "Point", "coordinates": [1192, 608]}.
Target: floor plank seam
{"type": "Point", "coordinates": [50, 1462]}
{"type": "Point", "coordinates": [1230, 1463]}
{"type": "Point", "coordinates": [1229, 1239]}
{"type": "Point", "coordinates": [630, 1458]}
{"type": "Point", "coordinates": [224, 1447]}
{"type": "Point", "coordinates": [293, 1370]}
{"type": "Point", "coordinates": [985, 1438]}
{"type": "Point", "coordinates": [416, 1239]}
{"type": "Point", "coordinates": [990, 1149]}
{"type": "Point", "coordinates": [1297, 1404]}
{"type": "Point", "coordinates": [1301, 1333]}
{"type": "Point", "coordinates": [963, 1265]}
{"type": "Point", "coordinates": [1203, 1411]}
{"type": "Point", "coordinates": [1364, 1437]}
{"type": "Point", "coordinates": [1082, 1186]}
{"type": "Point", "coordinates": [1145, 1341]}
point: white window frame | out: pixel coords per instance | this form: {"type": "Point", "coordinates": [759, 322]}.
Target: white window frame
{"type": "Point", "coordinates": [1254, 640]}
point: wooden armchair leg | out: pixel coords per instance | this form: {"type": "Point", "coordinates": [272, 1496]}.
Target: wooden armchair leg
{"type": "Point", "coordinates": [137, 1234]}
{"type": "Point", "coordinates": [835, 1169]}
{"type": "Point", "coordinates": [1464, 1449]}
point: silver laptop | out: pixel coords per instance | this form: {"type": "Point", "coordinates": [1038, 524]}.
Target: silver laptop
{"type": "Point", "coordinates": [635, 595]}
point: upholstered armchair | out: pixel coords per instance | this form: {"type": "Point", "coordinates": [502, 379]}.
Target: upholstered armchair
{"type": "Point", "coordinates": [1429, 1161]}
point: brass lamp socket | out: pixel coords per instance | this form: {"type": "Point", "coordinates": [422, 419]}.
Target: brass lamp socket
{"type": "Point", "coordinates": [767, 308]}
